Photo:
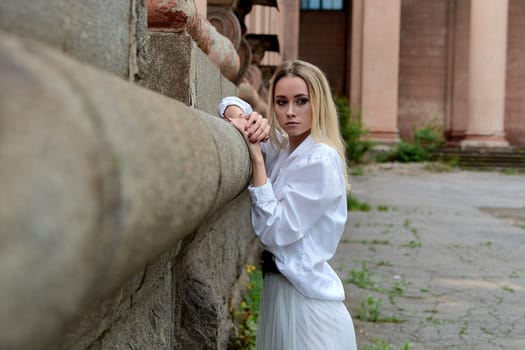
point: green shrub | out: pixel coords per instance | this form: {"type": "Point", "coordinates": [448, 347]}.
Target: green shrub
{"type": "Point", "coordinates": [426, 140]}
{"type": "Point", "coordinates": [352, 131]}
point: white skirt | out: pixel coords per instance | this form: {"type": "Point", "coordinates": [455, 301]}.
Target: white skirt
{"type": "Point", "coordinates": [290, 321]}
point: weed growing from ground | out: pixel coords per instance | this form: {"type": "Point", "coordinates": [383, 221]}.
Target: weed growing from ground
{"type": "Point", "coordinates": [361, 278]}
{"type": "Point", "coordinates": [397, 289]}
{"type": "Point", "coordinates": [416, 243]}
{"type": "Point", "coordinates": [413, 244]}
{"type": "Point", "coordinates": [507, 171]}
{"type": "Point", "coordinates": [245, 319]}
{"type": "Point", "coordinates": [463, 329]}
{"type": "Point", "coordinates": [507, 289]}
{"type": "Point", "coordinates": [382, 345]}
{"type": "Point", "coordinates": [384, 263]}
{"type": "Point", "coordinates": [353, 204]}
{"type": "Point", "coordinates": [356, 171]}
{"type": "Point", "coordinates": [370, 311]}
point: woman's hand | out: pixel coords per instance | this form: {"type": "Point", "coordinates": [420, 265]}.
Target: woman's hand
{"type": "Point", "coordinates": [257, 128]}
{"type": "Point", "coordinates": [252, 133]}
{"type": "Point", "coordinates": [254, 129]}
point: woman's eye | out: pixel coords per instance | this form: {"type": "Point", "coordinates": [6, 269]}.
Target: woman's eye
{"type": "Point", "coordinates": [302, 101]}
{"type": "Point", "coordinates": [280, 102]}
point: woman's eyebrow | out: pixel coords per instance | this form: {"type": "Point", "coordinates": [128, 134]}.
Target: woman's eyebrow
{"type": "Point", "coordinates": [295, 96]}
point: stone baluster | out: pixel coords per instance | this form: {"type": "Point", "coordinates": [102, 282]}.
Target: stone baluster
{"type": "Point", "coordinates": [182, 16]}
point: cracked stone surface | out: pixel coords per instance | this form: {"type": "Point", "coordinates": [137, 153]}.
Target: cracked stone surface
{"type": "Point", "coordinates": [444, 252]}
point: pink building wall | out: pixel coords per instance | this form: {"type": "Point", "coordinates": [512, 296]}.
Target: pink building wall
{"type": "Point", "coordinates": [423, 63]}
{"type": "Point", "coordinates": [402, 63]}
{"type": "Point", "coordinates": [515, 84]}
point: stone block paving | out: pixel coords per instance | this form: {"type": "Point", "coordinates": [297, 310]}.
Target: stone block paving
{"type": "Point", "coordinates": [445, 252]}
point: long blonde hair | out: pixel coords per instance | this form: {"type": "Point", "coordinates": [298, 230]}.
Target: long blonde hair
{"type": "Point", "coordinates": [325, 123]}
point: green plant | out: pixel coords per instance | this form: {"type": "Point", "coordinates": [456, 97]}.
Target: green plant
{"type": "Point", "coordinates": [245, 319]}
{"type": "Point", "coordinates": [508, 171]}
{"type": "Point", "coordinates": [425, 140]}
{"type": "Point", "coordinates": [352, 131]}
{"type": "Point", "coordinates": [361, 278]}
{"type": "Point", "coordinates": [353, 204]}
{"type": "Point", "coordinates": [397, 289]}
{"type": "Point", "coordinates": [382, 345]}
{"type": "Point", "coordinates": [370, 309]}
{"type": "Point", "coordinates": [442, 165]}
{"type": "Point", "coordinates": [413, 244]}
{"type": "Point", "coordinates": [356, 171]}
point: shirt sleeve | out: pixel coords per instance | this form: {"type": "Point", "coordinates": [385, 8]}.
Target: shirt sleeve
{"type": "Point", "coordinates": [313, 188]}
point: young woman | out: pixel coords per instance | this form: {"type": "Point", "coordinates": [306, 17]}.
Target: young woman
{"type": "Point", "coordinates": [298, 194]}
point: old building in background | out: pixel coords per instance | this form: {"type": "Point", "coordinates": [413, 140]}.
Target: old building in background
{"type": "Point", "coordinates": [404, 62]}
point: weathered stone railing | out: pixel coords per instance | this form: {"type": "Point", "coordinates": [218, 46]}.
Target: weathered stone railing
{"type": "Point", "coordinates": [98, 176]}
{"type": "Point", "coordinates": [177, 16]}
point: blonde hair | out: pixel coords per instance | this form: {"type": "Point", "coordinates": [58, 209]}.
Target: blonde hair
{"type": "Point", "coordinates": [325, 122]}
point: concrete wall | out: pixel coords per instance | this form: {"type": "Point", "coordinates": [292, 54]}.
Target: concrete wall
{"type": "Point", "coordinates": [177, 295]}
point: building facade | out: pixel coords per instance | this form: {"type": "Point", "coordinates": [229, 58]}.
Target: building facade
{"type": "Point", "coordinates": [402, 63]}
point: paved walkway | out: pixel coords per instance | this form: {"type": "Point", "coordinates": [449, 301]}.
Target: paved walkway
{"type": "Point", "coordinates": [445, 252]}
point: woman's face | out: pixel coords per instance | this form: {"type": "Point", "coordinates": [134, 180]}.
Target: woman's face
{"type": "Point", "coordinates": [293, 108]}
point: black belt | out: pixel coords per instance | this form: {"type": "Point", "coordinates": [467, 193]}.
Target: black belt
{"type": "Point", "coordinates": [268, 263]}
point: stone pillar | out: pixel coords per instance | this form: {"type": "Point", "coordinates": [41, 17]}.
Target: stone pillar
{"type": "Point", "coordinates": [487, 67]}
{"type": "Point", "coordinates": [377, 89]}
{"type": "Point", "coordinates": [459, 29]}
{"type": "Point", "coordinates": [290, 43]}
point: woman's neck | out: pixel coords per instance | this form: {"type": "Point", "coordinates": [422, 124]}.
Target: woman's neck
{"type": "Point", "coordinates": [295, 141]}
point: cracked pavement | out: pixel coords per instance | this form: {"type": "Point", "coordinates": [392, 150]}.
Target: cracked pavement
{"type": "Point", "coordinates": [445, 253]}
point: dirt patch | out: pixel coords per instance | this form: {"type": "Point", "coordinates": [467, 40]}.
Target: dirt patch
{"type": "Point", "coordinates": [514, 215]}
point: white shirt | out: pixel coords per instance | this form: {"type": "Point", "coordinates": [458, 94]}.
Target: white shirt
{"type": "Point", "coordinates": [299, 215]}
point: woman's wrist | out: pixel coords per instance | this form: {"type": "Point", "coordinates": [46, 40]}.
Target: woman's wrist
{"type": "Point", "coordinates": [258, 172]}
{"type": "Point", "coordinates": [257, 158]}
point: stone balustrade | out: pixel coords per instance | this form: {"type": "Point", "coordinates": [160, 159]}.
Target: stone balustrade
{"type": "Point", "coordinates": [182, 16]}
{"type": "Point", "coordinates": [98, 177]}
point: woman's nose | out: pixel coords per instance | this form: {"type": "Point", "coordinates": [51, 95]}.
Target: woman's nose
{"type": "Point", "coordinates": [289, 110]}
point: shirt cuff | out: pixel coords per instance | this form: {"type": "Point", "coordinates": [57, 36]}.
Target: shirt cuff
{"type": "Point", "coordinates": [261, 194]}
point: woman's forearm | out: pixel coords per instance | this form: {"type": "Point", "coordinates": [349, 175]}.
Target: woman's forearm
{"type": "Point", "coordinates": [258, 171]}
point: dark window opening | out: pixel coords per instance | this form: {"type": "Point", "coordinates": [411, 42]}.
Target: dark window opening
{"type": "Point", "coordinates": [329, 5]}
